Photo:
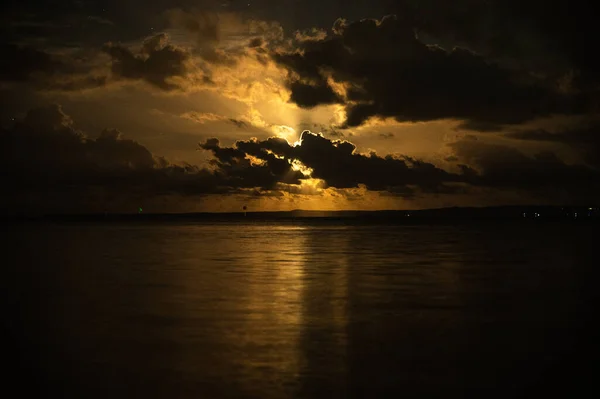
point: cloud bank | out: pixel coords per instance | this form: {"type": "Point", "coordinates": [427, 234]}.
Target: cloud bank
{"type": "Point", "coordinates": [380, 68]}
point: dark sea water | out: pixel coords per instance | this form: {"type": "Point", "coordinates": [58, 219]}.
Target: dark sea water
{"type": "Point", "coordinates": [300, 309]}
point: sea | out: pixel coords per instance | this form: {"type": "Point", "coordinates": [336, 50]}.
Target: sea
{"type": "Point", "coordinates": [301, 308]}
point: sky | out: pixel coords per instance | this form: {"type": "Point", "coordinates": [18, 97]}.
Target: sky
{"type": "Point", "coordinates": [212, 105]}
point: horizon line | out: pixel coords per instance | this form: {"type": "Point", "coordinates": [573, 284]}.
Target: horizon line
{"type": "Point", "coordinates": [588, 207]}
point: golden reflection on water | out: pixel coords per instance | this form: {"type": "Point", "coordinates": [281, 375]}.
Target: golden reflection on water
{"type": "Point", "coordinates": [273, 305]}
{"type": "Point", "coordinates": [273, 311]}
{"type": "Point", "coordinates": [252, 297]}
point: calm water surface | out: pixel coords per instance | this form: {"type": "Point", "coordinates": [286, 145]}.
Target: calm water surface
{"type": "Point", "coordinates": [299, 309]}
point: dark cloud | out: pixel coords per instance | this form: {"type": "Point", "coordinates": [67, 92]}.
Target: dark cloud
{"type": "Point", "coordinates": [224, 155]}
{"type": "Point", "coordinates": [481, 165]}
{"type": "Point", "coordinates": [309, 95]}
{"type": "Point", "coordinates": [19, 63]}
{"type": "Point", "coordinates": [327, 130]}
{"type": "Point", "coordinates": [234, 166]}
{"type": "Point", "coordinates": [337, 163]}
{"type": "Point", "coordinates": [545, 37]}
{"type": "Point", "coordinates": [386, 136]}
{"type": "Point", "coordinates": [543, 174]}
{"type": "Point", "coordinates": [45, 71]}
{"type": "Point", "coordinates": [584, 139]}
{"type": "Point", "coordinates": [45, 159]}
{"type": "Point", "coordinates": [388, 72]}
{"type": "Point", "coordinates": [265, 149]}
{"type": "Point", "coordinates": [541, 35]}
{"type": "Point", "coordinates": [340, 166]}
{"type": "Point", "coordinates": [44, 148]}
{"type": "Point", "coordinates": [157, 62]}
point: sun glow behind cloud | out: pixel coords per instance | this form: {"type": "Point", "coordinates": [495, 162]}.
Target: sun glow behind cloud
{"type": "Point", "coordinates": [285, 132]}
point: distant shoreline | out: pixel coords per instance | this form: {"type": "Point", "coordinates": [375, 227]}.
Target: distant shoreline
{"type": "Point", "coordinates": [404, 216]}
